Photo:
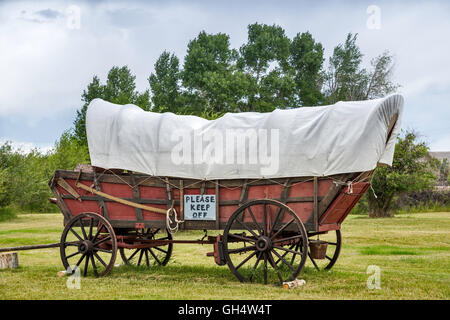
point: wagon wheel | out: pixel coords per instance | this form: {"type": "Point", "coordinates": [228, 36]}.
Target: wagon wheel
{"type": "Point", "coordinates": [158, 255]}
{"type": "Point", "coordinates": [272, 247]}
{"type": "Point", "coordinates": [334, 241]}
{"type": "Point", "coordinates": [88, 239]}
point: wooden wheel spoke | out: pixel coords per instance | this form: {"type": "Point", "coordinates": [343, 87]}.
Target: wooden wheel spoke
{"type": "Point", "coordinates": [99, 229]}
{"type": "Point", "coordinates": [133, 254]}
{"type": "Point", "coordinates": [100, 259]}
{"type": "Point", "coordinates": [247, 228]}
{"type": "Point", "coordinates": [314, 263]}
{"type": "Point", "coordinates": [284, 261]}
{"type": "Point", "coordinates": [86, 265]}
{"type": "Point", "coordinates": [103, 250]}
{"type": "Point", "coordinates": [254, 221]}
{"type": "Point", "coordinates": [285, 253]}
{"type": "Point", "coordinates": [75, 244]}
{"type": "Point", "coordinates": [76, 234]}
{"type": "Point", "coordinates": [276, 220]}
{"type": "Point", "coordinates": [288, 239]}
{"type": "Point", "coordinates": [147, 260]}
{"type": "Point", "coordinates": [81, 259]}
{"type": "Point", "coordinates": [246, 259]}
{"type": "Point", "coordinates": [155, 257]}
{"type": "Point", "coordinates": [102, 240]}
{"type": "Point", "coordinates": [328, 257]}
{"type": "Point", "coordinates": [265, 268]}
{"type": "Point", "coordinates": [282, 228]}
{"type": "Point", "coordinates": [91, 225]}
{"type": "Point", "coordinates": [238, 236]}
{"type": "Point", "coordinates": [159, 249]}
{"type": "Point", "coordinates": [258, 259]}
{"type": "Point", "coordinates": [285, 249]}
{"type": "Point", "coordinates": [265, 220]}
{"type": "Point", "coordinates": [275, 267]}
{"type": "Point", "coordinates": [140, 257]}
{"type": "Point", "coordinates": [72, 255]}
{"type": "Point", "coordinates": [83, 230]}
{"type": "Point", "coordinates": [297, 247]}
{"type": "Point", "coordinates": [94, 266]}
{"type": "Point", "coordinates": [242, 249]}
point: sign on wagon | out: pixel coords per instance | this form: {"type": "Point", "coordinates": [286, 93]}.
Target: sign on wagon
{"type": "Point", "coordinates": [200, 207]}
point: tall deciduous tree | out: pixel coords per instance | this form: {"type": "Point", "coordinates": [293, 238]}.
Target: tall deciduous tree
{"type": "Point", "coordinates": [209, 76]}
{"type": "Point", "coordinates": [412, 170]}
{"type": "Point", "coordinates": [306, 60]}
{"type": "Point", "coordinates": [347, 80]}
{"type": "Point", "coordinates": [120, 88]}
{"type": "Point", "coordinates": [165, 84]}
{"type": "Point", "coordinates": [265, 59]}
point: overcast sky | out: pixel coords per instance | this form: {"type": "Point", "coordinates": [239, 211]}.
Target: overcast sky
{"type": "Point", "coordinates": [48, 55]}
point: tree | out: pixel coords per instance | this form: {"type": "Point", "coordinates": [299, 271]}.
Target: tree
{"type": "Point", "coordinates": [120, 88]}
{"type": "Point", "coordinates": [412, 170]}
{"type": "Point", "coordinates": [165, 84]}
{"type": "Point", "coordinates": [265, 59]}
{"type": "Point", "coordinates": [210, 77]}
{"type": "Point", "coordinates": [346, 80]}
{"type": "Point", "coordinates": [306, 60]}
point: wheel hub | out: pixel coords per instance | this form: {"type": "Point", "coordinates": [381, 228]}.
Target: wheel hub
{"type": "Point", "coordinates": [86, 246]}
{"type": "Point", "coordinates": [263, 243]}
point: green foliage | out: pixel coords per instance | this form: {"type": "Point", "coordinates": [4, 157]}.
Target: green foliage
{"type": "Point", "coordinates": [120, 88]}
{"type": "Point", "coordinates": [346, 80]}
{"type": "Point", "coordinates": [24, 177]}
{"type": "Point", "coordinates": [7, 213]}
{"type": "Point", "coordinates": [412, 170]}
{"type": "Point", "coordinates": [164, 84]}
{"type": "Point", "coordinates": [306, 61]}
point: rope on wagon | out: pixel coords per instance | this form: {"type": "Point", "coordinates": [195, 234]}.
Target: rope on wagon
{"type": "Point", "coordinates": [169, 222]}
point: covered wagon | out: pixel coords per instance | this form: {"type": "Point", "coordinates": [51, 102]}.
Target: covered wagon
{"type": "Point", "coordinates": [278, 184]}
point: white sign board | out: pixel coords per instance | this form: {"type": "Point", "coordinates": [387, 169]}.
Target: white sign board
{"type": "Point", "coordinates": [200, 207]}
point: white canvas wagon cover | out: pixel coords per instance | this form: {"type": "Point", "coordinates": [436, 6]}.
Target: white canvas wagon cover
{"type": "Point", "coordinates": [308, 141]}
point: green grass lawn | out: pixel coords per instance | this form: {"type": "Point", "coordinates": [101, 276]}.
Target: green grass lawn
{"type": "Point", "coordinates": [412, 251]}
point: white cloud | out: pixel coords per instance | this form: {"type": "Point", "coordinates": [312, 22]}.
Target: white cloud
{"type": "Point", "coordinates": [26, 147]}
